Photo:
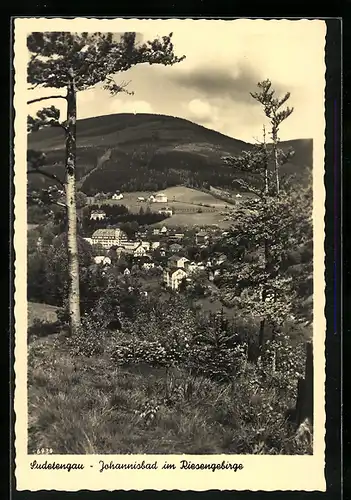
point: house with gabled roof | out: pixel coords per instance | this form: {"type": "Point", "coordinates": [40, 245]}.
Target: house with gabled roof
{"type": "Point", "coordinates": [201, 238]}
{"type": "Point", "coordinates": [139, 251]}
{"type": "Point", "coordinates": [174, 277]}
{"type": "Point", "coordinates": [117, 196]}
{"type": "Point", "coordinates": [177, 261]}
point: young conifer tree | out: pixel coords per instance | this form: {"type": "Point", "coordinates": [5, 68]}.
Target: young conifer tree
{"type": "Point", "coordinates": [271, 106]}
{"type": "Point", "coordinates": [74, 62]}
{"type": "Point", "coordinates": [269, 227]}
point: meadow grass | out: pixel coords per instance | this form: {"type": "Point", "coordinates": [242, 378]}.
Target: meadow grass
{"type": "Point", "coordinates": [43, 312]}
{"type": "Point", "coordinates": [185, 199]}
{"type": "Point", "coordinates": [81, 405]}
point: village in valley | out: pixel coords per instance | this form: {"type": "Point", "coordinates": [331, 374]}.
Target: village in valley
{"type": "Point", "coordinates": [178, 255]}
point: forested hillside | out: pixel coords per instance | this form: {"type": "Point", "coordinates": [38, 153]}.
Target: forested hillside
{"type": "Point", "coordinates": [152, 152]}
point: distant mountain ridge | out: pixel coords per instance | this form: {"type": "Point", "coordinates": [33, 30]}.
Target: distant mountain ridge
{"type": "Point", "coordinates": [134, 152]}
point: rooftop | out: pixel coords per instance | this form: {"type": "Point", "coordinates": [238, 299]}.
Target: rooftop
{"type": "Point", "coordinates": [173, 270]}
{"type": "Point", "coordinates": [177, 257]}
{"type": "Point", "coordinates": [105, 233]}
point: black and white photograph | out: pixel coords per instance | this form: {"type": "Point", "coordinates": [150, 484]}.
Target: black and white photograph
{"type": "Point", "coordinates": [170, 229]}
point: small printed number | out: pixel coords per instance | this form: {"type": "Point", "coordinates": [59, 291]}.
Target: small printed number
{"type": "Point", "coordinates": [44, 451]}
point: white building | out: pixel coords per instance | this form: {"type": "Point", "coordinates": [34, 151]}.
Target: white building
{"type": "Point", "coordinates": [161, 198]}
{"type": "Point", "coordinates": [179, 236]}
{"type": "Point", "coordinates": [140, 251]}
{"type": "Point", "coordinates": [174, 277]}
{"type": "Point", "coordinates": [148, 265]}
{"type": "Point", "coordinates": [97, 215]}
{"type": "Point", "coordinates": [145, 244]}
{"type": "Point", "coordinates": [117, 196]}
{"type": "Point", "coordinates": [177, 261]}
{"type": "Point", "coordinates": [166, 211]}
{"type": "Point", "coordinates": [101, 259]}
{"type": "Point", "coordinates": [108, 238]}
{"type": "Point", "coordinates": [130, 245]}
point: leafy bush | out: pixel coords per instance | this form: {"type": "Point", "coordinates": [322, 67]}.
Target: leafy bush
{"type": "Point", "coordinates": [154, 353]}
{"type": "Point", "coordinates": [90, 340]}
{"type": "Point", "coordinates": [171, 335]}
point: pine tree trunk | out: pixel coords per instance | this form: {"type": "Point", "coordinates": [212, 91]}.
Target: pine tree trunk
{"type": "Point", "coordinates": [276, 161]}
{"type": "Point", "coordinates": [264, 296]}
{"type": "Point", "coordinates": [266, 179]}
{"type": "Point", "coordinates": [266, 188]}
{"type": "Point", "coordinates": [261, 334]}
{"type": "Point", "coordinates": [72, 244]}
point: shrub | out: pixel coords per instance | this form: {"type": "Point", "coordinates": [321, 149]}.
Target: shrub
{"type": "Point", "coordinates": [213, 354]}
{"type": "Point", "coordinates": [41, 328]}
{"type": "Point", "coordinates": [153, 353]}
{"type": "Point", "coordinates": [90, 340]}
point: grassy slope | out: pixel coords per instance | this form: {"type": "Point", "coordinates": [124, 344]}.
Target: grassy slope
{"type": "Point", "coordinates": [188, 195]}
{"type": "Point", "coordinates": [180, 196]}
{"type": "Point", "coordinates": [195, 219]}
{"type": "Point", "coordinates": [178, 142]}
{"type": "Point", "coordinates": [43, 312]}
{"type": "Point", "coordinates": [186, 199]}
{"type": "Point", "coordinates": [86, 406]}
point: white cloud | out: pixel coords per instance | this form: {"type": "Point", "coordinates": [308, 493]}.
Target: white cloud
{"type": "Point", "coordinates": [215, 99]}
{"type": "Point", "coordinates": [201, 110]}
{"type": "Point", "coordinates": [130, 106]}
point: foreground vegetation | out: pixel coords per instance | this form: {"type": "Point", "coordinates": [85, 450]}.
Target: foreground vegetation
{"type": "Point", "coordinates": [86, 405]}
{"type": "Point", "coordinates": [171, 380]}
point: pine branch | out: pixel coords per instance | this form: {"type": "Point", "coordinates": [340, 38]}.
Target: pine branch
{"type": "Point", "coordinates": [38, 99]}
{"type": "Point", "coordinates": [60, 204]}
{"type": "Point", "coordinates": [46, 174]}
{"type": "Point", "coordinates": [115, 88]}
{"type": "Point", "coordinates": [248, 187]}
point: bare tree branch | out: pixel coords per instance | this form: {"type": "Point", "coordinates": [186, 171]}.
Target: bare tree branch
{"type": "Point", "coordinates": [38, 99]}
{"type": "Point", "coordinates": [46, 174]}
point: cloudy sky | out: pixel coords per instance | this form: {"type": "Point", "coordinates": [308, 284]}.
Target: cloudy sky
{"type": "Point", "coordinates": [224, 61]}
